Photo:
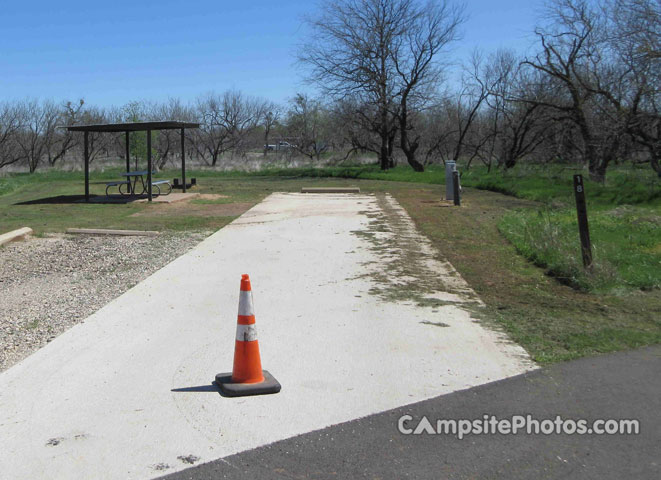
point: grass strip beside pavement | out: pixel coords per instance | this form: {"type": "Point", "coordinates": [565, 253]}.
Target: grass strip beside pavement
{"type": "Point", "coordinates": [552, 321]}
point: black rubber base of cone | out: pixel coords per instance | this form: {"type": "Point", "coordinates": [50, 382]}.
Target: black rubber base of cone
{"type": "Point", "coordinates": [269, 385]}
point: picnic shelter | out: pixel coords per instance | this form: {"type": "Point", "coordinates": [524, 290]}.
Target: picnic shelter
{"type": "Point", "coordinates": [134, 127]}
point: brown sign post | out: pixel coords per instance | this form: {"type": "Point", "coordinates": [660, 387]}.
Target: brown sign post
{"type": "Point", "coordinates": [583, 230]}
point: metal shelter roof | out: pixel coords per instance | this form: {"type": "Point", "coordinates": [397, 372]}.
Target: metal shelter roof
{"type": "Point", "coordinates": [133, 126]}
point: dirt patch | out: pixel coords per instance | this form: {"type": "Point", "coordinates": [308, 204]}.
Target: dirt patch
{"type": "Point", "coordinates": [196, 210]}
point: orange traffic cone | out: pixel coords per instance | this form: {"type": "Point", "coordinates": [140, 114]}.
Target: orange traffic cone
{"type": "Point", "coordinates": [247, 377]}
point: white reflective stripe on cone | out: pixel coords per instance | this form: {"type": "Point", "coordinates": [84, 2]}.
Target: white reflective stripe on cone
{"type": "Point", "coordinates": [245, 303]}
{"type": "Point", "coordinates": [246, 333]}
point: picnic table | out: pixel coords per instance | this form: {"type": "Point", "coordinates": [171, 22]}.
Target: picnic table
{"type": "Point", "coordinates": [131, 184]}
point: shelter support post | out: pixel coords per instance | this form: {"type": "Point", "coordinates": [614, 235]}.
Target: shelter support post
{"type": "Point", "coordinates": [183, 161]}
{"type": "Point", "coordinates": [87, 167]}
{"type": "Point", "coordinates": [128, 153]}
{"type": "Point", "coordinates": [149, 167]}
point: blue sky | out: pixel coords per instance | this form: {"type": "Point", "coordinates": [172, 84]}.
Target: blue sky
{"type": "Point", "coordinates": [113, 52]}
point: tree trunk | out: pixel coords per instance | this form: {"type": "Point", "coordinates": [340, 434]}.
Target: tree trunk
{"type": "Point", "coordinates": [596, 168]}
{"type": "Point", "coordinates": [417, 166]}
{"type": "Point", "coordinates": [391, 148]}
{"type": "Point", "coordinates": [405, 144]}
{"type": "Point", "coordinates": [602, 160]}
{"type": "Point", "coordinates": [410, 157]}
{"type": "Point", "coordinates": [510, 163]}
{"type": "Point", "coordinates": [654, 160]}
{"type": "Point", "coordinates": [266, 140]}
{"type": "Point", "coordinates": [383, 154]}
{"type": "Point", "coordinates": [598, 173]}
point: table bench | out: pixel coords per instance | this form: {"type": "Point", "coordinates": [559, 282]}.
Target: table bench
{"type": "Point", "coordinates": [115, 184]}
{"type": "Point", "coordinates": [157, 184]}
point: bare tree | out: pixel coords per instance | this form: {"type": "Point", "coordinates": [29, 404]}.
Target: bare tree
{"type": "Point", "coordinates": [349, 55]}
{"type": "Point", "coordinates": [211, 139]}
{"type": "Point", "coordinates": [10, 124]}
{"type": "Point", "coordinates": [430, 29]}
{"type": "Point", "coordinates": [37, 127]}
{"type": "Point", "coordinates": [100, 142]}
{"type": "Point", "coordinates": [225, 122]}
{"type": "Point", "coordinates": [514, 127]}
{"type": "Point", "coordinates": [168, 142]}
{"type": "Point", "coordinates": [306, 121]}
{"type": "Point", "coordinates": [241, 116]}
{"type": "Point", "coordinates": [635, 34]}
{"type": "Point", "coordinates": [362, 128]}
{"type": "Point", "coordinates": [453, 117]}
{"type": "Point", "coordinates": [270, 119]}
{"type": "Point", "coordinates": [63, 140]}
{"type": "Point", "coordinates": [638, 24]}
{"type": "Point", "coordinates": [574, 56]}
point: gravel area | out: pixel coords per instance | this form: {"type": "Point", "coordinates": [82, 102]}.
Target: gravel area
{"type": "Point", "coordinates": [49, 284]}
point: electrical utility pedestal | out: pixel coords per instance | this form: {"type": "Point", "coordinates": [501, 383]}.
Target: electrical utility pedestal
{"type": "Point", "coordinates": [450, 168]}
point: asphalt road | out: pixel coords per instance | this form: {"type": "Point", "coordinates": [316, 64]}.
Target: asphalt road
{"type": "Point", "coordinates": [623, 385]}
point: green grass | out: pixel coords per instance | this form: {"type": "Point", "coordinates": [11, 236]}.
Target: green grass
{"type": "Point", "coordinates": [433, 175]}
{"type": "Point", "coordinates": [624, 217]}
{"type": "Point", "coordinates": [53, 215]}
{"type": "Point", "coordinates": [626, 245]}
{"type": "Point", "coordinates": [553, 184]}
{"type": "Point", "coordinates": [48, 214]}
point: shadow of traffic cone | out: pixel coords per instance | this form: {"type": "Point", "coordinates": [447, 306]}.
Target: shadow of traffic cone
{"type": "Point", "coordinates": [247, 377]}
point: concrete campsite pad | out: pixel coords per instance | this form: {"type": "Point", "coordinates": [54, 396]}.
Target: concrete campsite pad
{"type": "Point", "coordinates": [128, 393]}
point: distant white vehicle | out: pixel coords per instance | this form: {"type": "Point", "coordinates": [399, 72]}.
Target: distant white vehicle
{"type": "Point", "coordinates": [279, 146]}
